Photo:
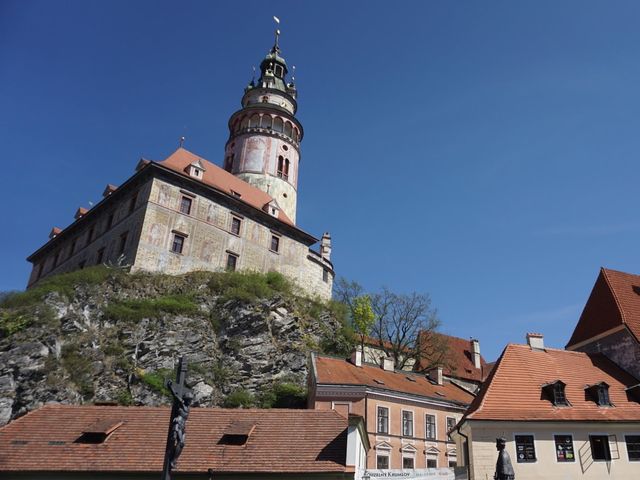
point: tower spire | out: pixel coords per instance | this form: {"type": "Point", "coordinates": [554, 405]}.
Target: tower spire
{"type": "Point", "coordinates": [276, 47]}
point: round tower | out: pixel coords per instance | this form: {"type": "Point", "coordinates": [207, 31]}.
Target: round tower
{"type": "Point", "coordinates": [264, 136]}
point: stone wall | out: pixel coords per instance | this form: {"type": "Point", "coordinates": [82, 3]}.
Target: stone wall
{"type": "Point", "coordinates": [209, 241]}
{"type": "Point", "coordinates": [621, 347]}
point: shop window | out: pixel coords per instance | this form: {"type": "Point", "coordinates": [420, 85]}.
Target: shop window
{"type": "Point", "coordinates": [564, 448]}
{"type": "Point", "coordinates": [633, 447]}
{"type": "Point", "coordinates": [525, 449]}
{"type": "Point", "coordinates": [383, 420]}
{"type": "Point", "coordinates": [382, 462]}
{"type": "Point", "coordinates": [177, 245]}
{"type": "Point", "coordinates": [185, 205]}
{"type": "Point", "coordinates": [600, 447]}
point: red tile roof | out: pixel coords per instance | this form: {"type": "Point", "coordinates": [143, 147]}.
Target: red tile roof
{"type": "Point", "coordinates": [222, 180]}
{"type": "Point", "coordinates": [513, 390]}
{"type": "Point", "coordinates": [614, 301]}
{"type": "Point", "coordinates": [283, 441]}
{"type": "Point", "coordinates": [460, 360]}
{"type": "Point", "coordinates": [336, 371]}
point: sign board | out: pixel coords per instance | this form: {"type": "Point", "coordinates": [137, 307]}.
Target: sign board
{"type": "Point", "coordinates": [416, 474]}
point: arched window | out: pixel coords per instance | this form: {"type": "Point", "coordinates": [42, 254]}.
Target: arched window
{"type": "Point", "coordinates": [287, 129]}
{"type": "Point", "coordinates": [280, 166]}
{"type": "Point", "coordinates": [266, 121]}
{"type": "Point", "coordinates": [286, 168]}
{"type": "Point", "coordinates": [255, 121]}
{"type": "Point", "coordinates": [245, 123]}
{"type": "Point", "coordinates": [277, 124]}
{"type": "Point", "coordinates": [265, 99]}
{"type": "Point", "coordinates": [295, 134]}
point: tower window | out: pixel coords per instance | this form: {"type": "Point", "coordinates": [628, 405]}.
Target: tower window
{"type": "Point", "coordinates": [279, 71]}
{"type": "Point", "coordinates": [287, 129]}
{"type": "Point", "coordinates": [277, 124]}
{"type": "Point", "coordinates": [228, 162]}
{"type": "Point", "coordinates": [266, 121]}
{"type": "Point", "coordinates": [255, 121]}
{"type": "Point", "coordinates": [325, 276]}
{"type": "Point", "coordinates": [286, 168]}
{"type": "Point", "coordinates": [185, 205]}
{"type": "Point", "coordinates": [178, 243]}
{"type": "Point", "coordinates": [265, 99]}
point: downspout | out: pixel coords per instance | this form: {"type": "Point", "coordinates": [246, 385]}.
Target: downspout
{"type": "Point", "coordinates": [466, 453]}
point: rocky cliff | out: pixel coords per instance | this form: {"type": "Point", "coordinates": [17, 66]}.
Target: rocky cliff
{"type": "Point", "coordinates": [103, 335]}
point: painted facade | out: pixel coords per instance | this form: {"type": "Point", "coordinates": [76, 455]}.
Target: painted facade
{"type": "Point", "coordinates": [185, 213]}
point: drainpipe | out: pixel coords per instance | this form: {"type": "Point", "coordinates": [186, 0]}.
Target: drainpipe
{"type": "Point", "coordinates": [466, 453]}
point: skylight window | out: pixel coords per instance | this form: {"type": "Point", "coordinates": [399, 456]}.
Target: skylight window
{"type": "Point", "coordinates": [379, 382]}
{"type": "Point", "coordinates": [237, 433]}
{"type": "Point", "coordinates": [98, 431]}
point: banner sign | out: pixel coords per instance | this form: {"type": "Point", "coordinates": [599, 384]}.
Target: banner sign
{"type": "Point", "coordinates": [417, 474]}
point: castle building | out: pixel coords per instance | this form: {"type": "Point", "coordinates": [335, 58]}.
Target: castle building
{"type": "Point", "coordinates": [185, 213]}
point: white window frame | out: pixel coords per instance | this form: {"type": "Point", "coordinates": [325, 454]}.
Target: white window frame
{"type": "Point", "coordinates": [413, 423]}
{"type": "Point", "coordinates": [432, 454]}
{"type": "Point", "coordinates": [446, 427]}
{"type": "Point", "coordinates": [625, 435]}
{"type": "Point", "coordinates": [388, 432]}
{"type": "Point", "coordinates": [412, 457]}
{"type": "Point", "coordinates": [435, 417]}
{"type": "Point", "coordinates": [387, 454]}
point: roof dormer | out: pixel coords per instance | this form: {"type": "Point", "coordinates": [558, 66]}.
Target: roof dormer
{"type": "Point", "coordinates": [554, 392]}
{"type": "Point", "coordinates": [272, 208]}
{"type": "Point", "coordinates": [196, 169]}
{"type": "Point", "coordinates": [599, 393]}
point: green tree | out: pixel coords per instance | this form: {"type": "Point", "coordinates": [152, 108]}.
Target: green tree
{"type": "Point", "coordinates": [363, 317]}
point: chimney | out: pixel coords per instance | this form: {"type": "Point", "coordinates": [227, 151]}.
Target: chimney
{"type": "Point", "coordinates": [435, 374]}
{"type": "Point", "coordinates": [55, 231]}
{"type": "Point", "coordinates": [81, 212]}
{"type": "Point", "coordinates": [475, 352]}
{"type": "Point", "coordinates": [356, 357]}
{"type": "Point", "coordinates": [386, 363]}
{"type": "Point", "coordinates": [535, 341]}
{"type": "Point", "coordinates": [325, 246]}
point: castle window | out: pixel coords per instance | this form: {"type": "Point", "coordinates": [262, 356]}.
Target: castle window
{"type": "Point", "coordinates": [178, 243]}
{"type": "Point", "coordinates": [295, 134]}
{"type": "Point", "coordinates": [280, 166]}
{"type": "Point", "coordinates": [265, 99]}
{"type": "Point", "coordinates": [123, 243]}
{"type": "Point", "coordinates": [277, 124]}
{"type": "Point", "coordinates": [279, 71]}
{"type": "Point", "coordinates": [132, 203]}
{"type": "Point", "coordinates": [185, 205]}
{"type": "Point", "coordinates": [287, 129]}
{"type": "Point", "coordinates": [325, 275]}
{"type": "Point", "coordinates": [255, 121]}
{"type": "Point", "coordinates": [236, 224]}
{"type": "Point", "coordinates": [266, 121]}
{"type": "Point", "coordinates": [232, 261]}
{"type": "Point", "coordinates": [286, 168]}
{"type": "Point", "coordinates": [100, 256]}
{"type": "Point", "coordinates": [275, 243]}
{"type": "Point", "coordinates": [90, 236]}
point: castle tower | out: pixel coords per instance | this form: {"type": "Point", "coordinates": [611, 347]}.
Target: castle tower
{"type": "Point", "coordinates": [264, 136]}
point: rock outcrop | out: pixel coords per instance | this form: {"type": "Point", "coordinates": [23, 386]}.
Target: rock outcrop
{"type": "Point", "coordinates": [108, 336]}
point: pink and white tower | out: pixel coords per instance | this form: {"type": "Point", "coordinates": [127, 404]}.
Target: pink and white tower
{"type": "Point", "coordinates": [264, 135]}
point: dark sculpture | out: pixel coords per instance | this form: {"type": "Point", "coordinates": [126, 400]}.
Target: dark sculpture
{"type": "Point", "coordinates": [182, 399]}
{"type": "Point", "coordinates": [178, 424]}
{"type": "Point", "coordinates": [504, 469]}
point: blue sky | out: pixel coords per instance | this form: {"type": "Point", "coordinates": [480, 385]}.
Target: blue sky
{"type": "Point", "coordinates": [483, 152]}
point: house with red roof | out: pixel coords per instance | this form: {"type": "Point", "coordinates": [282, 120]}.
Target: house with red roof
{"type": "Point", "coordinates": [83, 442]}
{"type": "Point", "coordinates": [185, 213]}
{"type": "Point", "coordinates": [564, 414]}
{"type": "Point", "coordinates": [407, 415]}
{"type": "Point", "coordinates": [610, 321]}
